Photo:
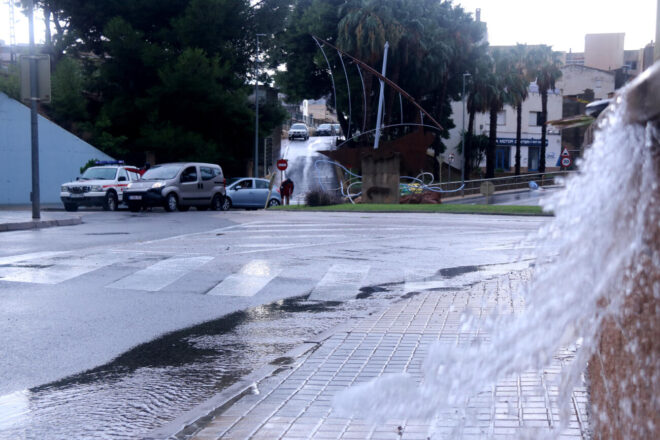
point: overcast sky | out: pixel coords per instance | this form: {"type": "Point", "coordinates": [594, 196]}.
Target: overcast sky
{"type": "Point", "coordinates": [560, 23]}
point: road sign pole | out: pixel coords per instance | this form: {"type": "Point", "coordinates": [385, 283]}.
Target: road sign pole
{"type": "Point", "coordinates": [34, 120]}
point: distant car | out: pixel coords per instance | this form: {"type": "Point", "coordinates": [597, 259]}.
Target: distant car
{"type": "Point", "coordinates": [337, 131]}
{"type": "Point", "coordinates": [101, 185]}
{"type": "Point", "coordinates": [247, 192]}
{"type": "Point", "coordinates": [325, 130]}
{"type": "Point", "coordinates": [298, 131]}
{"type": "Point", "coordinates": [178, 186]}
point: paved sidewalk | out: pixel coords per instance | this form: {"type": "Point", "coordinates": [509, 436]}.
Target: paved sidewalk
{"type": "Point", "coordinates": [16, 219]}
{"type": "Point", "coordinates": [295, 402]}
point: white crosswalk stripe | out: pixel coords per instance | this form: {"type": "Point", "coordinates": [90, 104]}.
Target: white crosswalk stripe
{"type": "Point", "coordinates": [161, 274]}
{"type": "Point", "coordinates": [342, 281]}
{"type": "Point", "coordinates": [54, 269]}
{"type": "Point", "coordinates": [252, 277]}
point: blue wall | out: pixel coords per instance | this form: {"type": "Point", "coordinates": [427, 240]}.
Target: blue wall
{"type": "Point", "coordinates": [61, 154]}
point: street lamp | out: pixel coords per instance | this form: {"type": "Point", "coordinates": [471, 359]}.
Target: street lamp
{"type": "Point", "coordinates": [463, 132]}
{"type": "Point", "coordinates": [256, 112]}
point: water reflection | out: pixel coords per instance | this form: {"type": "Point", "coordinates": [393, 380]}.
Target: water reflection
{"type": "Point", "coordinates": [155, 382]}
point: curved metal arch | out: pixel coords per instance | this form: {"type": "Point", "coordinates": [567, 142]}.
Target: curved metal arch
{"type": "Point", "coordinates": [390, 126]}
{"type": "Point", "coordinates": [381, 77]}
{"type": "Point", "coordinates": [364, 95]}
{"type": "Point", "coordinates": [348, 87]}
{"type": "Point", "coordinates": [332, 77]}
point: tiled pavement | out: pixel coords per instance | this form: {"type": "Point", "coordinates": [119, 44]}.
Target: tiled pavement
{"type": "Point", "coordinates": [296, 402]}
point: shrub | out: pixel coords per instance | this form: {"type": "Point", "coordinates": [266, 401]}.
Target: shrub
{"type": "Point", "coordinates": [319, 197]}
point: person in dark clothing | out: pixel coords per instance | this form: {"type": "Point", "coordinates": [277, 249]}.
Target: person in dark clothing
{"type": "Point", "coordinates": [286, 190]}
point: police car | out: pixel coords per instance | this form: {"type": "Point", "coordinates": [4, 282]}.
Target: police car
{"type": "Point", "coordinates": [100, 185]}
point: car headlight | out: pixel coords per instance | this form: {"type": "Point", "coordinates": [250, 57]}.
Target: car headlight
{"type": "Point", "coordinates": [157, 185]}
{"type": "Point", "coordinates": [96, 188]}
{"type": "Point", "coordinates": [64, 188]}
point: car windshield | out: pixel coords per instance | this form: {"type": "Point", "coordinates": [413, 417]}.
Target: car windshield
{"type": "Point", "coordinates": [324, 127]}
{"type": "Point", "coordinates": [99, 174]}
{"type": "Point", "coordinates": [161, 172]}
{"type": "Point", "coordinates": [298, 126]}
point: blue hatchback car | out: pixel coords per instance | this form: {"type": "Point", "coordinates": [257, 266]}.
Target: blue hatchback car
{"type": "Point", "coordinates": [250, 193]}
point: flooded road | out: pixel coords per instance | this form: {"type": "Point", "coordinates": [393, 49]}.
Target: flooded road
{"type": "Point", "coordinates": [157, 381]}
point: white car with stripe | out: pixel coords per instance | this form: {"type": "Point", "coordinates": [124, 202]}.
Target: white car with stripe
{"type": "Point", "coordinates": [99, 186]}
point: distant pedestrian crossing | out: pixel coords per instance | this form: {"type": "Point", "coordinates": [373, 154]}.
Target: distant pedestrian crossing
{"type": "Point", "coordinates": [240, 261]}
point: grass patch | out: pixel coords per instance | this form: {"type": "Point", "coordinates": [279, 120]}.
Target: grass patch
{"type": "Point", "coordinates": [446, 208]}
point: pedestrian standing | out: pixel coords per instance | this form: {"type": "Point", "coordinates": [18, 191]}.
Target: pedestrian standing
{"type": "Point", "coordinates": [286, 190]}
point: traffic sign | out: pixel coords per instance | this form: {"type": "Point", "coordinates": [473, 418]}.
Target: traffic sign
{"type": "Point", "coordinates": [565, 153]}
{"type": "Point", "coordinates": [566, 162]}
{"type": "Point", "coordinates": [451, 157]}
{"type": "Point", "coordinates": [282, 164]}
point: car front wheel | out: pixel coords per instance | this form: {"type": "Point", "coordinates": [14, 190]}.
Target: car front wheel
{"type": "Point", "coordinates": [273, 202]}
{"type": "Point", "coordinates": [171, 202]}
{"type": "Point", "coordinates": [226, 204]}
{"type": "Point", "coordinates": [110, 203]}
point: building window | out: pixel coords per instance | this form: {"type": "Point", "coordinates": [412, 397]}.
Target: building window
{"type": "Point", "coordinates": [501, 118]}
{"type": "Point", "coordinates": [535, 119]}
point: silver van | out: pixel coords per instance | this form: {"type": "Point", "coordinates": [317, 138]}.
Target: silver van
{"type": "Point", "coordinates": [178, 186]}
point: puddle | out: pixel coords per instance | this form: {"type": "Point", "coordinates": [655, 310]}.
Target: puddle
{"type": "Point", "coordinates": [452, 272]}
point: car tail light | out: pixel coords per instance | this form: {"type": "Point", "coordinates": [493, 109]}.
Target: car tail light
{"type": "Point", "coordinates": [224, 181]}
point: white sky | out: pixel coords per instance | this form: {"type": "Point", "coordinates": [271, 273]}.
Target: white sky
{"type": "Point", "coordinates": [560, 23]}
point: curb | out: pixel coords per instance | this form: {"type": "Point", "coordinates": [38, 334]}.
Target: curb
{"type": "Point", "coordinates": [39, 224]}
{"type": "Point", "coordinates": [197, 417]}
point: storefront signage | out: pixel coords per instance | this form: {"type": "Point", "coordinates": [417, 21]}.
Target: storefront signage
{"type": "Point", "coordinates": [531, 142]}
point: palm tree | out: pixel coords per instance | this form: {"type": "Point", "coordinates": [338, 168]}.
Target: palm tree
{"type": "Point", "coordinates": [477, 101]}
{"type": "Point", "coordinates": [519, 92]}
{"type": "Point", "coordinates": [499, 93]}
{"type": "Point", "coordinates": [545, 67]}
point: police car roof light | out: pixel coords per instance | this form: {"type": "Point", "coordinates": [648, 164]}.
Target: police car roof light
{"type": "Point", "coordinates": [109, 162]}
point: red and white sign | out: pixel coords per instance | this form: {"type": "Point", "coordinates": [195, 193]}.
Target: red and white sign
{"type": "Point", "coordinates": [565, 153]}
{"type": "Point", "coordinates": [566, 162]}
{"type": "Point", "coordinates": [282, 164]}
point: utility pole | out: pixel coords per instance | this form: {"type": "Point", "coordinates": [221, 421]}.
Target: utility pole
{"type": "Point", "coordinates": [34, 120]}
{"type": "Point", "coordinates": [463, 132]}
{"type": "Point", "coordinates": [380, 98]}
{"type": "Point", "coordinates": [256, 106]}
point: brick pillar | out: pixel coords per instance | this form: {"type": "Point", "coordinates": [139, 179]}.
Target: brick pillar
{"type": "Point", "coordinates": [624, 373]}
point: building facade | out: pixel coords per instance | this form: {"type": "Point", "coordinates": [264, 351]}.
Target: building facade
{"type": "Point", "coordinates": [530, 150]}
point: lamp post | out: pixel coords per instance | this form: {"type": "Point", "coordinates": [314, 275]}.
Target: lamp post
{"type": "Point", "coordinates": [256, 106]}
{"type": "Point", "coordinates": [463, 132]}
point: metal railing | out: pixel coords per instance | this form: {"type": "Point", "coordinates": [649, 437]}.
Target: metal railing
{"type": "Point", "coordinates": [507, 183]}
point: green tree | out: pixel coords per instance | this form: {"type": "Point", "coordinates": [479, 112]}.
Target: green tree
{"type": "Point", "coordinates": [519, 92]}
{"type": "Point", "coordinates": [545, 67]}
{"type": "Point", "coordinates": [68, 105]}
{"type": "Point", "coordinates": [10, 82]}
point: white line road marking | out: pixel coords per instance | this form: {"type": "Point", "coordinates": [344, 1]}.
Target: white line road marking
{"type": "Point", "coordinates": [252, 277]}
{"type": "Point", "coordinates": [25, 257]}
{"type": "Point", "coordinates": [341, 281]}
{"type": "Point", "coordinates": [161, 274]}
{"type": "Point", "coordinates": [54, 271]}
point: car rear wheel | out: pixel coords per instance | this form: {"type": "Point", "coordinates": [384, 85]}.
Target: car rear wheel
{"type": "Point", "coordinates": [273, 202]}
{"type": "Point", "coordinates": [217, 203]}
{"type": "Point", "coordinates": [71, 207]}
{"type": "Point", "coordinates": [226, 204]}
{"type": "Point", "coordinates": [110, 203]}
{"type": "Point", "coordinates": [171, 202]}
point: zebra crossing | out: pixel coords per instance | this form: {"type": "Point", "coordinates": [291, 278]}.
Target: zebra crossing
{"type": "Point", "coordinates": [238, 261]}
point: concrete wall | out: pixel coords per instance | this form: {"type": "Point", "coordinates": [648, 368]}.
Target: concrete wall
{"type": "Point", "coordinates": [576, 79]}
{"type": "Point", "coordinates": [61, 154]}
{"type": "Point", "coordinates": [604, 51]}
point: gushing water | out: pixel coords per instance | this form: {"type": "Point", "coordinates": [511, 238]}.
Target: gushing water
{"type": "Point", "coordinates": [587, 260]}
